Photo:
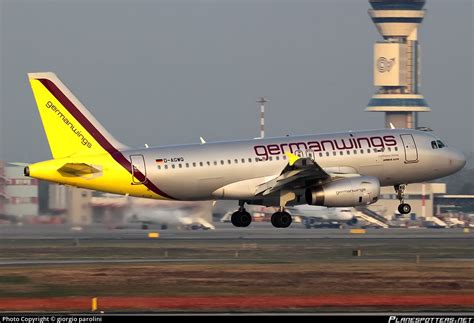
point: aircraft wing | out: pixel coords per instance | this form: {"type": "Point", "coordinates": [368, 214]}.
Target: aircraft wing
{"type": "Point", "coordinates": [301, 172]}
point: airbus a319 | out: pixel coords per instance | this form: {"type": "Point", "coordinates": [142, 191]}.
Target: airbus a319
{"type": "Point", "coordinates": [335, 170]}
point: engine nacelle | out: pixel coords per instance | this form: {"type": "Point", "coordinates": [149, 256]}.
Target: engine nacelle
{"type": "Point", "coordinates": [353, 191]}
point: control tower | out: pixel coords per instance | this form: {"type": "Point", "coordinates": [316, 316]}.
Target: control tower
{"type": "Point", "coordinates": [397, 62]}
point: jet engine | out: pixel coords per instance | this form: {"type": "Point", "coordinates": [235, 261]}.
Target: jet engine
{"type": "Point", "coordinates": [353, 191]}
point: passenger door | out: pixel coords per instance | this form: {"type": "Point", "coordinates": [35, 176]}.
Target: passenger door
{"type": "Point", "coordinates": [138, 169]}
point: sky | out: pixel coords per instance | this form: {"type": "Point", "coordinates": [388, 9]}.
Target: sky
{"type": "Point", "coordinates": [168, 72]}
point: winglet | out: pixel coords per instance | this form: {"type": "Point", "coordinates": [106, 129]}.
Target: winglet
{"type": "Point", "coordinates": [292, 158]}
{"type": "Point", "coordinates": [202, 140]}
{"type": "Point", "coordinates": [392, 126]}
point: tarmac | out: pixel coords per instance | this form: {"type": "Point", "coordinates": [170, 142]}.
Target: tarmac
{"type": "Point", "coordinates": [223, 231]}
{"type": "Point", "coordinates": [199, 270]}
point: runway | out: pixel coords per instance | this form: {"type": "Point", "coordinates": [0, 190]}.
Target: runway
{"type": "Point", "coordinates": [114, 261]}
{"type": "Point", "coordinates": [223, 231]}
{"type": "Point", "coordinates": [56, 267]}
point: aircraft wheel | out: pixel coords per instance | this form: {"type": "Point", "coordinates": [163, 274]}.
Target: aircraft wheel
{"type": "Point", "coordinates": [404, 208]}
{"type": "Point", "coordinates": [235, 217]}
{"type": "Point", "coordinates": [276, 219]}
{"type": "Point", "coordinates": [285, 220]}
{"type": "Point", "coordinates": [241, 219]}
{"type": "Point", "coordinates": [245, 219]}
{"type": "Point", "coordinates": [281, 219]}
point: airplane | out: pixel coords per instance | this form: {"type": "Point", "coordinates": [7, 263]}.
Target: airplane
{"type": "Point", "coordinates": [343, 169]}
{"type": "Point", "coordinates": [320, 216]}
{"type": "Point", "coordinates": [188, 218]}
{"type": "Point", "coordinates": [165, 213]}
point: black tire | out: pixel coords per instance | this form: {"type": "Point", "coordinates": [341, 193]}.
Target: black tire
{"type": "Point", "coordinates": [404, 208]}
{"type": "Point", "coordinates": [235, 219]}
{"type": "Point", "coordinates": [276, 219]}
{"type": "Point", "coordinates": [285, 220]}
{"type": "Point", "coordinates": [245, 219]}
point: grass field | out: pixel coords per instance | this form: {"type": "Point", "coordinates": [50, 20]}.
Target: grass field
{"type": "Point", "coordinates": [386, 270]}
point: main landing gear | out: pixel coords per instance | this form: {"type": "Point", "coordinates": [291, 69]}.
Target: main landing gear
{"type": "Point", "coordinates": [242, 218]}
{"type": "Point", "coordinates": [281, 219]}
{"type": "Point", "coordinates": [403, 208]}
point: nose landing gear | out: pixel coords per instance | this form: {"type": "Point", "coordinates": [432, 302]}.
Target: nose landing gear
{"type": "Point", "coordinates": [403, 208]}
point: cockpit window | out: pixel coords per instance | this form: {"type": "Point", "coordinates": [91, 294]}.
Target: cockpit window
{"type": "Point", "coordinates": [434, 145]}
{"type": "Point", "coordinates": [440, 144]}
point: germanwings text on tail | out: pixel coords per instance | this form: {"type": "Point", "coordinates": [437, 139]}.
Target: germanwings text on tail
{"type": "Point", "coordinates": [335, 169]}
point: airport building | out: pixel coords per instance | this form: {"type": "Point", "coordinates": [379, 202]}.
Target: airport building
{"type": "Point", "coordinates": [397, 62]}
{"type": "Point", "coordinates": [396, 71]}
{"type": "Point", "coordinates": [18, 194]}
{"type": "Point", "coordinates": [71, 202]}
{"type": "Point", "coordinates": [420, 196]}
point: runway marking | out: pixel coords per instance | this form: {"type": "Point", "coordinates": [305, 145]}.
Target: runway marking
{"type": "Point", "coordinates": [113, 261]}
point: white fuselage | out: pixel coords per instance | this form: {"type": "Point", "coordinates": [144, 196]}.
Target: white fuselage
{"type": "Point", "coordinates": [233, 170]}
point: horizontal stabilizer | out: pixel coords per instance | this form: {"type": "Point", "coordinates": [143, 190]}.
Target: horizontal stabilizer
{"type": "Point", "coordinates": [78, 169]}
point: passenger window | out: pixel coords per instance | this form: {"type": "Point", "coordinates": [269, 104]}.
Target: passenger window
{"type": "Point", "coordinates": [180, 166]}
{"type": "Point", "coordinates": [362, 151]}
{"type": "Point", "coordinates": [187, 165]}
{"type": "Point", "coordinates": [201, 164]}
{"type": "Point", "coordinates": [270, 158]}
{"type": "Point", "coordinates": [368, 151]}
{"type": "Point", "coordinates": [284, 157]}
{"type": "Point", "coordinates": [320, 154]}
{"type": "Point", "coordinates": [159, 167]}
{"type": "Point", "coordinates": [334, 153]}
{"type": "Point", "coordinates": [166, 166]}
{"type": "Point", "coordinates": [215, 162]}
{"type": "Point", "coordinates": [208, 163]}
{"type": "Point", "coordinates": [389, 149]}
{"type": "Point", "coordinates": [355, 152]}
{"type": "Point", "coordinates": [173, 166]}
{"type": "Point", "coordinates": [341, 153]}
{"type": "Point", "coordinates": [257, 159]}
{"type": "Point", "coordinates": [243, 160]}
{"type": "Point", "coordinates": [222, 162]}
{"type": "Point", "coordinates": [348, 152]}
{"type": "Point", "coordinates": [277, 157]}
{"type": "Point", "coordinates": [396, 148]}
{"type": "Point", "coordinates": [194, 164]}
{"type": "Point", "coordinates": [327, 153]}
{"type": "Point", "coordinates": [433, 145]}
{"type": "Point", "coordinates": [236, 161]}
{"type": "Point", "coordinates": [250, 160]}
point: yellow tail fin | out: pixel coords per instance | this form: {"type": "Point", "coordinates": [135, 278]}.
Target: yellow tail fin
{"type": "Point", "coordinates": [69, 126]}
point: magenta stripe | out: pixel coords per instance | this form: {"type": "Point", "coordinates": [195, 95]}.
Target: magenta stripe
{"type": "Point", "coordinates": [116, 154]}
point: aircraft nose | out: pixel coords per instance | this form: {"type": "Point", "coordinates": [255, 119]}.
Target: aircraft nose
{"type": "Point", "coordinates": [457, 159]}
